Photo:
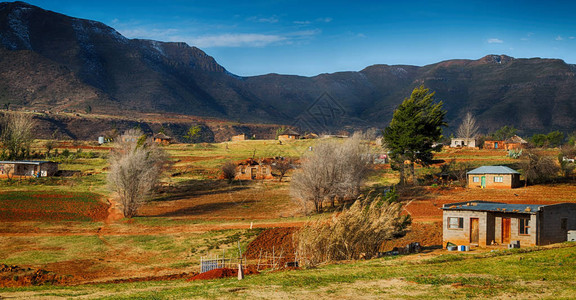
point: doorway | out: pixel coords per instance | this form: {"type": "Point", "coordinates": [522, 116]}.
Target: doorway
{"type": "Point", "coordinates": [483, 182]}
{"type": "Point", "coordinates": [506, 230]}
{"type": "Point", "coordinates": [474, 231]}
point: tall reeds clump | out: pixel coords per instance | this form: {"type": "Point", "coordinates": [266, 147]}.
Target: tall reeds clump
{"type": "Point", "coordinates": [354, 233]}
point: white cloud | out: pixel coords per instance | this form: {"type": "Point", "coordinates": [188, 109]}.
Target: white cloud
{"type": "Point", "coordinates": [325, 20]}
{"type": "Point", "coordinates": [236, 40]}
{"type": "Point", "coordinates": [495, 41]}
{"type": "Point", "coordinates": [271, 20]}
{"type": "Point", "coordinates": [302, 22]}
{"type": "Point", "coordinates": [572, 37]}
{"type": "Point", "coordinates": [559, 38]}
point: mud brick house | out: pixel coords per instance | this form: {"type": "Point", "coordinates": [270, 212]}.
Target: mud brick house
{"type": "Point", "coordinates": [484, 223]}
{"type": "Point", "coordinates": [240, 137]}
{"type": "Point", "coordinates": [514, 142]}
{"type": "Point", "coordinates": [162, 139]}
{"type": "Point", "coordinates": [462, 143]}
{"type": "Point", "coordinates": [493, 177]}
{"type": "Point", "coordinates": [28, 168]}
{"type": "Point", "coordinates": [288, 134]}
{"type": "Point", "coordinates": [251, 170]}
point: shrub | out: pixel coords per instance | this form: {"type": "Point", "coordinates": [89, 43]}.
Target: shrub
{"type": "Point", "coordinates": [353, 233]}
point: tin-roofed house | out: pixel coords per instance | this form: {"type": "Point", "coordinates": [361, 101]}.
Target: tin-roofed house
{"type": "Point", "coordinates": [28, 168]}
{"type": "Point", "coordinates": [493, 177]}
{"type": "Point", "coordinates": [483, 223]}
{"type": "Point", "coordinates": [288, 134]}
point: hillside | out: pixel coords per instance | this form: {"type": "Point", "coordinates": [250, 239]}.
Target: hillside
{"type": "Point", "coordinates": [49, 61]}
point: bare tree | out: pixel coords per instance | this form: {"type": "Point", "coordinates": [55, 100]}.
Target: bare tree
{"type": "Point", "coordinates": [538, 168]}
{"type": "Point", "coordinates": [17, 135]}
{"type": "Point", "coordinates": [135, 168]}
{"type": "Point", "coordinates": [229, 171]}
{"type": "Point", "coordinates": [468, 129]}
{"type": "Point", "coordinates": [333, 170]}
{"type": "Point", "coordinates": [282, 167]}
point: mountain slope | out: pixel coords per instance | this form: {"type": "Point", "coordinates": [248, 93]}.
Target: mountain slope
{"type": "Point", "coordinates": [52, 61]}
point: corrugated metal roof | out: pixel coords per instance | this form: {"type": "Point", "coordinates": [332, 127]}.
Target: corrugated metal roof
{"type": "Point", "coordinates": [493, 170]}
{"type": "Point", "coordinates": [494, 206]}
{"type": "Point", "coordinates": [25, 162]}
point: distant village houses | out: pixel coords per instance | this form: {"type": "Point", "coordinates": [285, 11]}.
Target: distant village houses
{"type": "Point", "coordinates": [162, 139]}
{"type": "Point", "coordinates": [251, 169]}
{"type": "Point", "coordinates": [463, 143]}
{"type": "Point", "coordinates": [512, 143]}
{"type": "Point", "coordinates": [288, 134]}
{"type": "Point", "coordinates": [28, 168]}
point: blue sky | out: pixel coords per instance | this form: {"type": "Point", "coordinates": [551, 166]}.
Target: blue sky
{"type": "Point", "coordinates": [312, 37]}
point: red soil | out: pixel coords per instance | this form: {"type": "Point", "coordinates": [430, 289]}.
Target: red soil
{"type": "Point", "coordinates": [223, 273]}
{"type": "Point", "coordinates": [14, 276]}
{"type": "Point", "coordinates": [427, 234]}
{"type": "Point", "coordinates": [277, 240]}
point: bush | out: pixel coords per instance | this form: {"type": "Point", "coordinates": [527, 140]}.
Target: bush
{"type": "Point", "coordinates": [354, 233]}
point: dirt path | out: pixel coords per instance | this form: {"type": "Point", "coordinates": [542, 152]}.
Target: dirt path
{"type": "Point", "coordinates": [114, 212]}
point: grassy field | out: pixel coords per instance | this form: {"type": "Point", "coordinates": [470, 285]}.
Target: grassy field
{"type": "Point", "coordinates": [45, 224]}
{"type": "Point", "coordinates": [525, 273]}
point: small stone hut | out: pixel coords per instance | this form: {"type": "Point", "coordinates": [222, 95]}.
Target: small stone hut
{"type": "Point", "coordinates": [251, 169]}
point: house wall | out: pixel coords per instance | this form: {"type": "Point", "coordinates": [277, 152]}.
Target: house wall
{"type": "Point", "coordinates": [550, 222]}
{"type": "Point", "coordinates": [456, 143]}
{"type": "Point", "coordinates": [490, 228]}
{"type": "Point", "coordinates": [492, 144]}
{"type": "Point", "coordinates": [511, 146]}
{"type": "Point", "coordinates": [240, 137]}
{"type": "Point", "coordinates": [508, 181]}
{"type": "Point", "coordinates": [462, 236]}
{"type": "Point", "coordinates": [284, 137]}
{"type": "Point", "coordinates": [45, 169]}
{"type": "Point", "coordinates": [525, 240]}
{"type": "Point", "coordinates": [244, 172]}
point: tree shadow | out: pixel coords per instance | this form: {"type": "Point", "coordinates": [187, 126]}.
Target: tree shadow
{"type": "Point", "coordinates": [202, 209]}
{"type": "Point", "coordinates": [195, 188]}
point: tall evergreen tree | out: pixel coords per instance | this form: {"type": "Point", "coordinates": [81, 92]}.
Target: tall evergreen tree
{"type": "Point", "coordinates": [415, 127]}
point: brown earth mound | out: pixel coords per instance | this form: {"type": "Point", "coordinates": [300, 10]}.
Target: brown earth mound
{"type": "Point", "coordinates": [427, 234]}
{"type": "Point", "coordinates": [277, 240]}
{"type": "Point", "coordinates": [14, 276]}
{"type": "Point", "coordinates": [223, 273]}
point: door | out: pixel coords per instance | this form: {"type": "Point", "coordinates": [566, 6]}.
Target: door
{"type": "Point", "coordinates": [474, 232]}
{"type": "Point", "coordinates": [483, 182]}
{"type": "Point", "coordinates": [253, 173]}
{"type": "Point", "coordinates": [496, 145]}
{"type": "Point", "coordinates": [505, 230]}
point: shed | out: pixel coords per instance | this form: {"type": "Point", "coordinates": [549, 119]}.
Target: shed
{"type": "Point", "coordinates": [483, 223]}
{"type": "Point", "coordinates": [493, 177]}
{"type": "Point", "coordinates": [28, 168]}
{"type": "Point", "coordinates": [288, 134]}
{"type": "Point", "coordinates": [239, 137]}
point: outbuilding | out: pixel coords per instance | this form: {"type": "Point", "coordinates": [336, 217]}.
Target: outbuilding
{"type": "Point", "coordinates": [462, 143]}
{"type": "Point", "coordinates": [484, 223]}
{"type": "Point", "coordinates": [493, 177]}
{"type": "Point", "coordinates": [28, 168]}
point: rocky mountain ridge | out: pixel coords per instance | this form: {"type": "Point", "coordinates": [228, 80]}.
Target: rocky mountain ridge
{"type": "Point", "coordinates": [49, 61]}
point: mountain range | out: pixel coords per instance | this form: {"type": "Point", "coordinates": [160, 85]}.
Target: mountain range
{"type": "Point", "coordinates": [53, 62]}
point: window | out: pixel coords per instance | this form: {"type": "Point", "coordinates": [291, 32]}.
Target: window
{"type": "Point", "coordinates": [524, 226]}
{"type": "Point", "coordinates": [564, 223]}
{"type": "Point", "coordinates": [455, 223]}
{"type": "Point", "coordinates": [498, 179]}
{"type": "Point", "coordinates": [475, 179]}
